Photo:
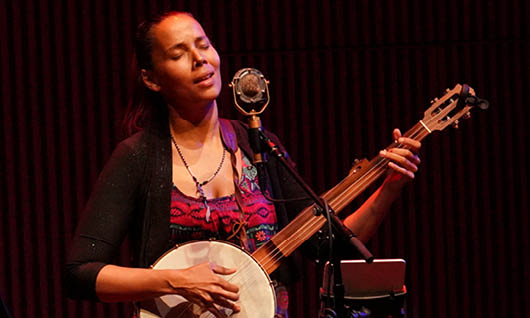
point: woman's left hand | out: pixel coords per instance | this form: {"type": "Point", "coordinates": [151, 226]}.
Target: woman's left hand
{"type": "Point", "coordinates": [403, 161]}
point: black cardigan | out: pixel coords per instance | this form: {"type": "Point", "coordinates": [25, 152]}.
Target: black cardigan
{"type": "Point", "coordinates": [132, 197]}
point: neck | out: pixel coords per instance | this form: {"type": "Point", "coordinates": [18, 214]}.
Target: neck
{"type": "Point", "coordinates": [193, 127]}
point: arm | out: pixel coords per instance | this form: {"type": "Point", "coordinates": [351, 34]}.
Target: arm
{"type": "Point", "coordinates": [117, 283]}
{"type": "Point", "coordinates": [109, 214]}
{"type": "Point", "coordinates": [106, 220]}
{"type": "Point", "coordinates": [198, 284]}
{"type": "Point", "coordinates": [404, 163]}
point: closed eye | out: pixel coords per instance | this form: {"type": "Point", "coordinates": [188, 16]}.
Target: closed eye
{"type": "Point", "coordinates": [203, 43]}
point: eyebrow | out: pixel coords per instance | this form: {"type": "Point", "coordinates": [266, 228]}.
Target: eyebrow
{"type": "Point", "coordinates": [181, 45]}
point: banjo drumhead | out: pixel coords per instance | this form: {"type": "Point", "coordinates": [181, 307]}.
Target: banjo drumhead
{"type": "Point", "coordinates": [256, 293]}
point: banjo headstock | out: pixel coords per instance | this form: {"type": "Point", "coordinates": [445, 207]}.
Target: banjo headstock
{"type": "Point", "coordinates": [453, 106]}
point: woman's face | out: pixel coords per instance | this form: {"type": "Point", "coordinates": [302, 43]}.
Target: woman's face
{"type": "Point", "coordinates": [185, 64]}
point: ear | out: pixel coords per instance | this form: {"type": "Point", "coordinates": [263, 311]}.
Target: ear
{"type": "Point", "coordinates": [149, 80]}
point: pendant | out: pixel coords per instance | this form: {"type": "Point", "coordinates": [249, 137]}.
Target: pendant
{"type": "Point", "coordinates": [201, 192]}
{"type": "Point", "coordinates": [207, 211]}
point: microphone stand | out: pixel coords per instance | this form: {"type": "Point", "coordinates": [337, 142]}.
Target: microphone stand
{"type": "Point", "coordinates": [321, 207]}
{"type": "Point", "coordinates": [250, 87]}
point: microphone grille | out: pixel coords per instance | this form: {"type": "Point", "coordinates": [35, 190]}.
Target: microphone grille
{"type": "Point", "coordinates": [251, 92]}
{"type": "Point", "coordinates": [250, 85]}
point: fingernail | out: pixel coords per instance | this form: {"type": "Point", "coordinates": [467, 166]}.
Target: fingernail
{"type": "Point", "coordinates": [400, 139]}
{"type": "Point", "coordinates": [382, 152]}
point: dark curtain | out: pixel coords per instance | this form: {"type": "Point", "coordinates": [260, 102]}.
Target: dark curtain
{"type": "Point", "coordinates": [343, 74]}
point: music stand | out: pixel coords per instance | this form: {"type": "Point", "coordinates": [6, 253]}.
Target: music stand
{"type": "Point", "coordinates": [377, 288]}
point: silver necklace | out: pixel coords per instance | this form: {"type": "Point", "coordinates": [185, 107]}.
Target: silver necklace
{"type": "Point", "coordinates": [198, 184]}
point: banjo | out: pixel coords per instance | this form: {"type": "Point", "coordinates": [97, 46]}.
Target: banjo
{"type": "Point", "coordinates": [256, 292]}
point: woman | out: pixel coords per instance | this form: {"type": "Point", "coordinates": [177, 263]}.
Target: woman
{"type": "Point", "coordinates": [185, 176]}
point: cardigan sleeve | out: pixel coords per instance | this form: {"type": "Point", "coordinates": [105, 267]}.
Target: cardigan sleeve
{"type": "Point", "coordinates": [106, 219]}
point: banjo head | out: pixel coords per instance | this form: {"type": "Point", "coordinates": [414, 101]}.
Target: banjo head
{"type": "Point", "coordinates": [257, 298]}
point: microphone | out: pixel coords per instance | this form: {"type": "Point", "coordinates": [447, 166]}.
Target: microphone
{"type": "Point", "coordinates": [250, 87]}
{"type": "Point", "coordinates": [251, 96]}
{"type": "Point", "coordinates": [251, 91]}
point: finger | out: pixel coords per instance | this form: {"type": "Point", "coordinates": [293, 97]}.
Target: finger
{"type": "Point", "coordinates": [414, 145]}
{"type": "Point", "coordinates": [196, 305]}
{"type": "Point", "coordinates": [216, 312]}
{"type": "Point", "coordinates": [218, 269]}
{"type": "Point", "coordinates": [415, 160]}
{"type": "Point", "coordinates": [396, 133]}
{"type": "Point", "coordinates": [205, 298]}
{"type": "Point", "coordinates": [407, 153]}
{"type": "Point", "coordinates": [227, 304]}
{"type": "Point", "coordinates": [400, 159]}
{"type": "Point", "coordinates": [223, 283]}
{"type": "Point", "coordinates": [227, 290]}
{"type": "Point", "coordinates": [401, 170]}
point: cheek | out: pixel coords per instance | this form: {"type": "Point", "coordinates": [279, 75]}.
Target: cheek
{"type": "Point", "coordinates": [217, 65]}
{"type": "Point", "coordinates": [215, 60]}
{"type": "Point", "coordinates": [173, 73]}
{"type": "Point", "coordinates": [172, 81]}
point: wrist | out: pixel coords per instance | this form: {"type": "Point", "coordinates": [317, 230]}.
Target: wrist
{"type": "Point", "coordinates": [394, 183]}
{"type": "Point", "coordinates": [170, 280]}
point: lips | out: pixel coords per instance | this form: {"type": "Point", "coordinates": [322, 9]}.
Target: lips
{"type": "Point", "coordinates": [202, 78]}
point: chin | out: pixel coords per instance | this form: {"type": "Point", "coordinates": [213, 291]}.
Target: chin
{"type": "Point", "coordinates": [215, 90]}
{"type": "Point", "coordinates": [210, 96]}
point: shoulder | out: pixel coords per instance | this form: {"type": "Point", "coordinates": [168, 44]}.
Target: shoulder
{"type": "Point", "coordinates": [135, 142]}
{"type": "Point", "coordinates": [133, 151]}
{"type": "Point", "coordinates": [139, 143]}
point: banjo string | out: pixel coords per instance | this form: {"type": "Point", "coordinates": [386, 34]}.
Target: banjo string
{"type": "Point", "coordinates": [308, 227]}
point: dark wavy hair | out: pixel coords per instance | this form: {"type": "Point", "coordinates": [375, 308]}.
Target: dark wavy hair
{"type": "Point", "coordinates": [144, 103]}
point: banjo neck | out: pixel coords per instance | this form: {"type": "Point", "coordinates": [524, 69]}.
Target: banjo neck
{"type": "Point", "coordinates": [444, 111]}
{"type": "Point", "coordinates": [307, 223]}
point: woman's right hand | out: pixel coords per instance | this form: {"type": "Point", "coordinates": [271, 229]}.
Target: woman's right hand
{"type": "Point", "coordinates": [199, 284]}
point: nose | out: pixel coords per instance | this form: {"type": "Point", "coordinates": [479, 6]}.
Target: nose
{"type": "Point", "coordinates": [198, 58]}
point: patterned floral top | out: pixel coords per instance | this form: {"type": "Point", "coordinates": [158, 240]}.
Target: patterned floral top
{"type": "Point", "coordinates": [188, 221]}
{"type": "Point", "coordinates": [188, 215]}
